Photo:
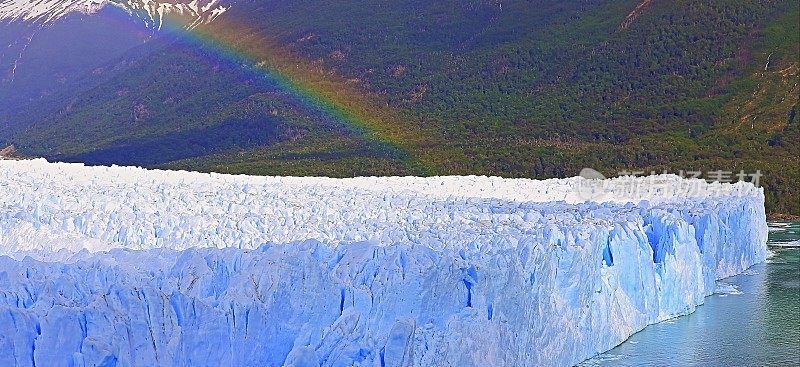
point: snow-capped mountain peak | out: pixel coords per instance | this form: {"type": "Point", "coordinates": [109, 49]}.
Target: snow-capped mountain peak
{"type": "Point", "coordinates": [152, 12]}
{"type": "Point", "coordinates": [46, 10]}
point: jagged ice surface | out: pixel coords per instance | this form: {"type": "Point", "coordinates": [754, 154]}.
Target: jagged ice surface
{"type": "Point", "coordinates": [123, 266]}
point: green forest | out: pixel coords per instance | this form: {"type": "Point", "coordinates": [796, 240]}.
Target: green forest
{"type": "Point", "coordinates": [517, 89]}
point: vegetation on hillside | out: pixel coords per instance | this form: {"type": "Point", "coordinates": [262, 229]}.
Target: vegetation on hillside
{"type": "Point", "coordinates": [519, 89]}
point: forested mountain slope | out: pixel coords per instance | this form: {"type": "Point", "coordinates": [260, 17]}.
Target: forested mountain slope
{"type": "Point", "coordinates": [522, 88]}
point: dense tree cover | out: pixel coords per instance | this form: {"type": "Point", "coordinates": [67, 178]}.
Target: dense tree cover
{"type": "Point", "coordinates": [544, 88]}
{"type": "Point", "coordinates": [522, 89]}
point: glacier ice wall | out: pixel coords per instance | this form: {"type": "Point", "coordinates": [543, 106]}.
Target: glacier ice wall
{"type": "Point", "coordinates": [122, 266]}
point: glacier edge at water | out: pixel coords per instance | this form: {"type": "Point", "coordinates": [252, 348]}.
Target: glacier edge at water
{"type": "Point", "coordinates": [120, 266]}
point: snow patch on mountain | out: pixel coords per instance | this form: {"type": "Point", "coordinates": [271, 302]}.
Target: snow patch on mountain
{"type": "Point", "coordinates": [46, 10]}
{"type": "Point", "coordinates": [153, 13]}
{"type": "Point", "coordinates": [125, 266]}
{"type": "Point", "coordinates": [191, 13]}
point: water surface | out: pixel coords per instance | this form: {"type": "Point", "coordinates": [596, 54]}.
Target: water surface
{"type": "Point", "coordinates": [753, 320]}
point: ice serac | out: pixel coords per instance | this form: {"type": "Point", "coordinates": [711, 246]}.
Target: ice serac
{"type": "Point", "coordinates": [122, 266]}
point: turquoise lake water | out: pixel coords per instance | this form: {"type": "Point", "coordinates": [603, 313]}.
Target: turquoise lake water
{"type": "Point", "coordinates": [753, 321]}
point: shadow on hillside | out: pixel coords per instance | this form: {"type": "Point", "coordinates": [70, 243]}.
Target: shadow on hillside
{"type": "Point", "coordinates": [238, 133]}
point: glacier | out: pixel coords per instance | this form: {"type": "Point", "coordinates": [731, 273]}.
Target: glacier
{"type": "Point", "coordinates": [120, 266]}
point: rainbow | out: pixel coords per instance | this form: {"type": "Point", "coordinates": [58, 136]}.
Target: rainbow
{"type": "Point", "coordinates": [309, 84]}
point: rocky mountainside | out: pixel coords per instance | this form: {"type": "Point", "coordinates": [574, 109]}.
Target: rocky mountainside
{"type": "Point", "coordinates": [153, 13]}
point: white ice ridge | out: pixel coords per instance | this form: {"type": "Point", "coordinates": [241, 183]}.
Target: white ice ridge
{"type": "Point", "coordinates": [130, 267]}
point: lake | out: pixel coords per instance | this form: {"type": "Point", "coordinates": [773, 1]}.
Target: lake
{"type": "Point", "coordinates": [753, 320]}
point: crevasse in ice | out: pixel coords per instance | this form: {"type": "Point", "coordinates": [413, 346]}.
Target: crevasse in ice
{"type": "Point", "coordinates": [122, 266]}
